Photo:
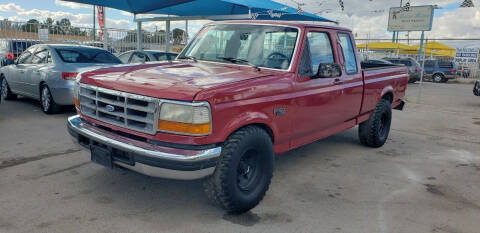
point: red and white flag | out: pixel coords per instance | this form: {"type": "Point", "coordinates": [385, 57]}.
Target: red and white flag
{"type": "Point", "coordinates": [101, 19]}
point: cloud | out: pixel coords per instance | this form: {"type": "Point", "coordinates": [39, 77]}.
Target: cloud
{"type": "Point", "coordinates": [72, 5]}
{"type": "Point", "coordinates": [10, 7]}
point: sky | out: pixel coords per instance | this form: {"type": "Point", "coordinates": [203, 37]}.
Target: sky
{"type": "Point", "coordinates": [367, 18]}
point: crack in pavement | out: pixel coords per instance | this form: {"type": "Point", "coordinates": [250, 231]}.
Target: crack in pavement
{"type": "Point", "coordinates": [22, 160]}
{"type": "Point", "coordinates": [66, 169]}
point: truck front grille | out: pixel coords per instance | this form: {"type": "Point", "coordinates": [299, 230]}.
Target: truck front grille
{"type": "Point", "coordinates": [122, 109]}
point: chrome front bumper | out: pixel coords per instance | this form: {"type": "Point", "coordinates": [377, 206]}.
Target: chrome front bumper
{"type": "Point", "coordinates": [146, 158]}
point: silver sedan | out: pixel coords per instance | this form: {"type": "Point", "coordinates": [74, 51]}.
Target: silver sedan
{"type": "Point", "coordinates": [47, 73]}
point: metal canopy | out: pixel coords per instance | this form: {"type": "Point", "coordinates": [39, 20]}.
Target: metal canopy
{"type": "Point", "coordinates": [169, 10]}
{"type": "Point", "coordinates": [209, 9]}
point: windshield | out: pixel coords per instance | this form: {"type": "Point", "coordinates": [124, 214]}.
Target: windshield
{"type": "Point", "coordinates": [87, 55]}
{"type": "Point", "coordinates": [259, 45]}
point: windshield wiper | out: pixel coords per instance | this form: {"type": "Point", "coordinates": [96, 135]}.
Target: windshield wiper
{"type": "Point", "coordinates": [189, 57]}
{"type": "Point", "coordinates": [239, 60]}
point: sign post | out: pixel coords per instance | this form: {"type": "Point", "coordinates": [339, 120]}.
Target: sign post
{"type": "Point", "coordinates": [416, 18]}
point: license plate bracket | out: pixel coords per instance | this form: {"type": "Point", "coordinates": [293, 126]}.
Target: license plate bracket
{"type": "Point", "coordinates": [101, 156]}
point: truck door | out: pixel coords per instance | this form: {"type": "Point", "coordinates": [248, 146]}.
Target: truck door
{"type": "Point", "coordinates": [318, 99]}
{"type": "Point", "coordinates": [351, 99]}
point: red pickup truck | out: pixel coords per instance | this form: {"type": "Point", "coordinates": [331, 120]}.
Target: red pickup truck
{"type": "Point", "coordinates": [239, 93]}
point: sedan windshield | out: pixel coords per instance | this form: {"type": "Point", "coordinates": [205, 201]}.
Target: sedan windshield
{"type": "Point", "coordinates": [86, 55]}
{"type": "Point", "coordinates": [257, 45]}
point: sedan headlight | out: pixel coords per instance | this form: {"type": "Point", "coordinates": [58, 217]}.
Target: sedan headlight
{"type": "Point", "coordinates": [185, 118]}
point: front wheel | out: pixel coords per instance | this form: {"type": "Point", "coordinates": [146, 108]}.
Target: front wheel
{"type": "Point", "coordinates": [374, 132]}
{"type": "Point", "coordinates": [6, 92]}
{"type": "Point", "coordinates": [244, 171]}
{"type": "Point", "coordinates": [46, 100]}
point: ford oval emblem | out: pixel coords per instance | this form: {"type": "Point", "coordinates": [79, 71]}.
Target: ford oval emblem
{"type": "Point", "coordinates": [109, 108]}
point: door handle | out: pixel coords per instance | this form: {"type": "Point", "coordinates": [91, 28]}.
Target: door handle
{"type": "Point", "coordinates": [337, 81]}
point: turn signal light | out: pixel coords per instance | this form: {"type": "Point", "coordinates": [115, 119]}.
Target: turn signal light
{"type": "Point", "coordinates": [69, 75]}
{"type": "Point", "coordinates": [184, 128]}
{"type": "Point", "coordinates": [77, 104]}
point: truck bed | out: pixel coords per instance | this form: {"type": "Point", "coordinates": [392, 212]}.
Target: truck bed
{"type": "Point", "coordinates": [380, 79]}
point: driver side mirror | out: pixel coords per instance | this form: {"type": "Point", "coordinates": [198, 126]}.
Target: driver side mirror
{"type": "Point", "coordinates": [329, 70]}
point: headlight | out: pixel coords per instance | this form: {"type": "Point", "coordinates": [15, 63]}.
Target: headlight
{"type": "Point", "coordinates": [185, 118]}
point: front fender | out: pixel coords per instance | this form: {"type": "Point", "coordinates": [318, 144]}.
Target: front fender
{"type": "Point", "coordinates": [248, 118]}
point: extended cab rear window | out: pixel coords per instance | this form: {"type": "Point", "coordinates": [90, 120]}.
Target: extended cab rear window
{"type": "Point", "coordinates": [86, 55]}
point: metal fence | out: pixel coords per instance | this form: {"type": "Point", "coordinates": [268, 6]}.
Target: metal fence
{"type": "Point", "coordinates": [117, 40]}
{"type": "Point", "coordinates": [474, 69]}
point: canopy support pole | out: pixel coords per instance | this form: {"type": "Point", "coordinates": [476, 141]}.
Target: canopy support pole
{"type": "Point", "coordinates": [186, 31]}
{"type": "Point", "coordinates": [167, 36]}
{"type": "Point", "coordinates": [421, 56]}
{"type": "Point", "coordinates": [139, 36]}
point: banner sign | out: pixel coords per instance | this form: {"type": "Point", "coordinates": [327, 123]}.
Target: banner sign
{"type": "Point", "coordinates": [467, 55]}
{"type": "Point", "coordinates": [415, 18]}
{"type": "Point", "coordinates": [101, 19]}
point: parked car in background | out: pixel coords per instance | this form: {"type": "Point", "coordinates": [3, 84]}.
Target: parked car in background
{"type": "Point", "coordinates": [414, 68]}
{"type": "Point", "coordinates": [440, 71]}
{"type": "Point", "coordinates": [11, 48]}
{"type": "Point", "coordinates": [47, 73]}
{"type": "Point", "coordinates": [476, 88]}
{"type": "Point", "coordinates": [145, 56]}
{"type": "Point", "coordinates": [97, 44]}
{"type": "Point", "coordinates": [221, 111]}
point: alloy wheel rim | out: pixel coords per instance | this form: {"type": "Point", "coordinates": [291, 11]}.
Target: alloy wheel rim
{"type": "Point", "coordinates": [45, 99]}
{"type": "Point", "coordinates": [438, 78]}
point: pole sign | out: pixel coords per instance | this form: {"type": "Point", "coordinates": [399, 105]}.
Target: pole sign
{"type": "Point", "coordinates": [43, 34]}
{"type": "Point", "coordinates": [415, 18]}
{"type": "Point", "coordinates": [467, 55]}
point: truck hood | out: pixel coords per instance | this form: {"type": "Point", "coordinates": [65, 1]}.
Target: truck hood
{"type": "Point", "coordinates": [176, 80]}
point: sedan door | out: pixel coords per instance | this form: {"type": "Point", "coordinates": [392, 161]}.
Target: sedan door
{"type": "Point", "coordinates": [34, 72]}
{"type": "Point", "coordinates": [17, 72]}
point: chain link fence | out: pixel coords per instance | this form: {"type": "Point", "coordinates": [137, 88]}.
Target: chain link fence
{"type": "Point", "coordinates": [117, 40]}
{"type": "Point", "coordinates": [466, 70]}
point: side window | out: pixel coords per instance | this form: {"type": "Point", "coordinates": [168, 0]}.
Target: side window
{"type": "Point", "coordinates": [24, 58]}
{"type": "Point", "coordinates": [125, 57]}
{"type": "Point", "coordinates": [40, 57]}
{"type": "Point", "coordinates": [138, 58]}
{"type": "Point", "coordinates": [318, 49]}
{"type": "Point", "coordinates": [350, 60]}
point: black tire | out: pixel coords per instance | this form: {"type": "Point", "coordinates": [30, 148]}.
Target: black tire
{"type": "Point", "coordinates": [438, 78]}
{"type": "Point", "coordinates": [46, 101]}
{"type": "Point", "coordinates": [476, 88]}
{"type": "Point", "coordinates": [374, 132]}
{"type": "Point", "coordinates": [243, 173]}
{"type": "Point", "coordinates": [6, 93]}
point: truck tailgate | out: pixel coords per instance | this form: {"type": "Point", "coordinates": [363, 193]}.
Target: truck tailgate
{"type": "Point", "coordinates": [381, 80]}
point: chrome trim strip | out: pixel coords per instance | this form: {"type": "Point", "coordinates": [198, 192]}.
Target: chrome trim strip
{"type": "Point", "coordinates": [74, 123]}
{"type": "Point", "coordinates": [168, 173]}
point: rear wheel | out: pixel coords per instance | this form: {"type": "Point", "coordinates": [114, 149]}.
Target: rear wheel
{"type": "Point", "coordinates": [374, 132]}
{"type": "Point", "coordinates": [438, 78]}
{"type": "Point", "coordinates": [46, 100]}
{"type": "Point", "coordinates": [243, 174]}
{"type": "Point", "coordinates": [6, 92]}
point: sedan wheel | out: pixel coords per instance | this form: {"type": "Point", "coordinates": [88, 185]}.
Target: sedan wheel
{"type": "Point", "coordinates": [48, 104]}
{"type": "Point", "coordinates": [6, 93]}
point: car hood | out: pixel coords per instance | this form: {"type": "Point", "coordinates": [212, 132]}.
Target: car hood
{"type": "Point", "coordinates": [177, 80]}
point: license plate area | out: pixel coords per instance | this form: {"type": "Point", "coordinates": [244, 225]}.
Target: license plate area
{"type": "Point", "coordinates": [101, 156]}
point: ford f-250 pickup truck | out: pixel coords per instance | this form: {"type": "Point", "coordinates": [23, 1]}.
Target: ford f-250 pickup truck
{"type": "Point", "coordinates": [239, 93]}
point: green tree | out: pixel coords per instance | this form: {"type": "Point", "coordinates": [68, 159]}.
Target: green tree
{"type": "Point", "coordinates": [30, 26]}
{"type": "Point", "coordinates": [177, 34]}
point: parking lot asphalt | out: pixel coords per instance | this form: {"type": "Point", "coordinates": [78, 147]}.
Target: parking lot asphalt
{"type": "Point", "coordinates": [425, 179]}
